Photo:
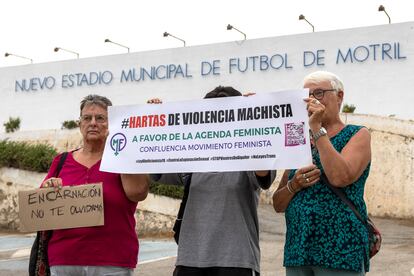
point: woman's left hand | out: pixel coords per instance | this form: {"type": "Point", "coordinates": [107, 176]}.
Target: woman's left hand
{"type": "Point", "coordinates": [154, 101]}
{"type": "Point", "coordinates": [248, 94]}
{"type": "Point", "coordinates": [305, 177]}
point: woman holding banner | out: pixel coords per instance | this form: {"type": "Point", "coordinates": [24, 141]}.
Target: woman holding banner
{"type": "Point", "coordinates": [323, 235]}
{"type": "Point", "coordinates": [219, 233]}
{"type": "Point", "coordinates": [111, 249]}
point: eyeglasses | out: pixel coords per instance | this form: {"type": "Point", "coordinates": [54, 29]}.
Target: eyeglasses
{"type": "Point", "coordinates": [99, 118]}
{"type": "Point", "coordinates": [319, 93]}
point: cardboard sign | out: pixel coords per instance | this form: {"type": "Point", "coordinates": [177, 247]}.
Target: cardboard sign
{"type": "Point", "coordinates": [70, 207]}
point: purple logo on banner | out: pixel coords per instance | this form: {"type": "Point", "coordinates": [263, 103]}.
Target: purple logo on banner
{"type": "Point", "coordinates": [118, 143]}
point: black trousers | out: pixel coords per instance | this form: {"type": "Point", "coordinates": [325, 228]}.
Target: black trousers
{"type": "Point", "coordinates": [213, 271]}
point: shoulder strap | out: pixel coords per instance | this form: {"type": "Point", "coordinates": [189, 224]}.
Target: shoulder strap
{"type": "Point", "coordinates": [341, 194]}
{"type": "Point", "coordinates": [39, 251]}
{"type": "Point", "coordinates": [60, 164]}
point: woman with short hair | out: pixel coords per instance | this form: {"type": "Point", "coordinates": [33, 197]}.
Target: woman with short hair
{"type": "Point", "coordinates": [110, 249]}
{"type": "Point", "coordinates": [324, 237]}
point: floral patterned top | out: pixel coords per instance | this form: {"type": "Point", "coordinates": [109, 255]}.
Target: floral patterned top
{"type": "Point", "coordinates": [321, 229]}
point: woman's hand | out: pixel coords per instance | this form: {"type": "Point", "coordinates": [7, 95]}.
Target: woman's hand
{"type": "Point", "coordinates": [52, 182]}
{"type": "Point", "coordinates": [305, 177]}
{"type": "Point", "coordinates": [154, 101]}
{"type": "Point", "coordinates": [316, 111]}
{"type": "Point", "coordinates": [248, 94]}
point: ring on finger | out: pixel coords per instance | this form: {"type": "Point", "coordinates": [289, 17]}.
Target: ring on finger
{"type": "Point", "coordinates": [304, 176]}
{"type": "Point", "coordinates": [307, 180]}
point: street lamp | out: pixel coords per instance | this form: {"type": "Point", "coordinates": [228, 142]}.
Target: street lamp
{"type": "Point", "coordinates": [10, 54]}
{"type": "Point", "coordinates": [168, 34]}
{"type": "Point", "coordinates": [66, 50]}
{"type": "Point", "coordinates": [230, 27]}
{"type": "Point", "coordinates": [381, 8]}
{"type": "Point", "coordinates": [302, 17]}
{"type": "Point", "coordinates": [107, 40]}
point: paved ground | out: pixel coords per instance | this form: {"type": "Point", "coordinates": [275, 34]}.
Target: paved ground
{"type": "Point", "coordinates": [15, 250]}
{"type": "Point", "coordinates": [396, 257]}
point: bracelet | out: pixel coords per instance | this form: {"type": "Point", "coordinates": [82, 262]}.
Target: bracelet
{"type": "Point", "coordinates": [290, 188]}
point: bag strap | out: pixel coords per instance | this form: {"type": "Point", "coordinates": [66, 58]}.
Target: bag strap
{"type": "Point", "coordinates": [48, 233]}
{"type": "Point", "coordinates": [61, 162]}
{"type": "Point", "coordinates": [41, 242]}
{"type": "Point", "coordinates": [341, 194]}
{"type": "Point", "coordinates": [186, 178]}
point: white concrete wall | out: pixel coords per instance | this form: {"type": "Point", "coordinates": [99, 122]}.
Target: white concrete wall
{"type": "Point", "coordinates": [380, 55]}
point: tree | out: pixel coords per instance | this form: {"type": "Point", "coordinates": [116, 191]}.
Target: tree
{"type": "Point", "coordinates": [12, 125]}
{"type": "Point", "coordinates": [70, 124]}
{"type": "Point", "coordinates": [348, 108]}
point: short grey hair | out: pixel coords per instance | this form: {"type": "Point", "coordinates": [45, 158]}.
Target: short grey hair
{"type": "Point", "coordinates": [102, 101]}
{"type": "Point", "coordinates": [320, 76]}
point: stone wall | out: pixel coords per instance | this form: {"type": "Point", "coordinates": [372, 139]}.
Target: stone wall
{"type": "Point", "coordinates": [390, 187]}
{"type": "Point", "coordinates": [12, 181]}
{"type": "Point", "coordinates": [155, 216]}
{"type": "Point", "coordinates": [153, 224]}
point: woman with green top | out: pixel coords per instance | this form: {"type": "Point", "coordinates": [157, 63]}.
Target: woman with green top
{"type": "Point", "coordinates": [324, 237]}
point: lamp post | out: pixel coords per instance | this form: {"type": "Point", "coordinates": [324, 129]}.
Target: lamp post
{"type": "Point", "coordinates": [107, 40]}
{"type": "Point", "coordinates": [302, 17]}
{"type": "Point", "coordinates": [10, 54]}
{"type": "Point", "coordinates": [230, 27]}
{"type": "Point", "coordinates": [168, 34]}
{"type": "Point", "coordinates": [382, 9]}
{"type": "Point", "coordinates": [66, 50]}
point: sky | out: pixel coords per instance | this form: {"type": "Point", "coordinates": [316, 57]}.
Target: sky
{"type": "Point", "coordinates": [34, 28]}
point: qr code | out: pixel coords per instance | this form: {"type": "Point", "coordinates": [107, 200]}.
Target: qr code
{"type": "Point", "coordinates": [295, 134]}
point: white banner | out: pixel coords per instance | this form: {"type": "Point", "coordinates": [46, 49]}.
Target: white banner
{"type": "Point", "coordinates": [260, 132]}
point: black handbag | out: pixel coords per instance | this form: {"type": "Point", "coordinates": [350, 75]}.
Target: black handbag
{"type": "Point", "coordinates": [374, 234]}
{"type": "Point", "coordinates": [186, 179]}
{"type": "Point", "coordinates": [39, 262]}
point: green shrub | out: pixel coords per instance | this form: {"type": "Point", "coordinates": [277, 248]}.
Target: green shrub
{"type": "Point", "coordinates": [21, 155]}
{"type": "Point", "coordinates": [173, 191]}
{"type": "Point", "coordinates": [71, 124]}
{"type": "Point", "coordinates": [348, 108]}
{"type": "Point", "coordinates": [12, 125]}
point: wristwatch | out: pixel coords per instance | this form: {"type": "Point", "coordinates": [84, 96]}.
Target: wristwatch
{"type": "Point", "coordinates": [322, 132]}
